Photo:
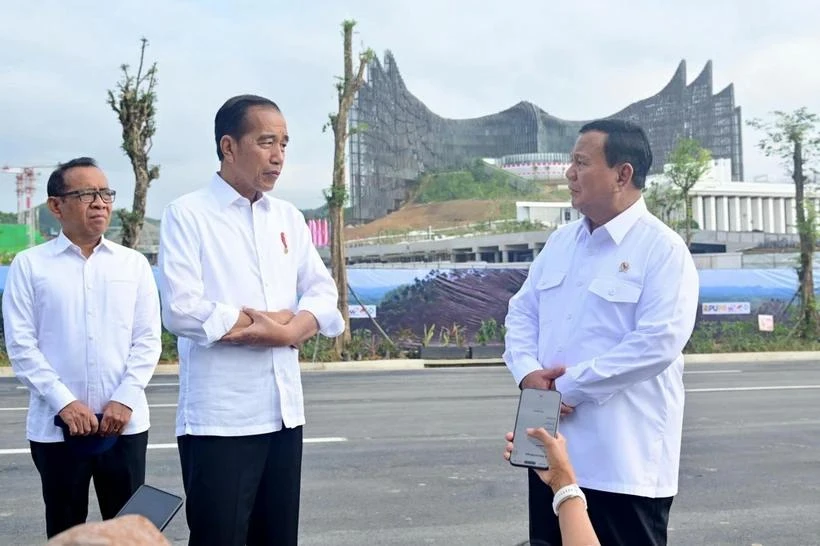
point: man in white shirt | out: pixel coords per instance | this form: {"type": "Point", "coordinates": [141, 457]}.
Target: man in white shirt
{"type": "Point", "coordinates": [612, 298]}
{"type": "Point", "coordinates": [242, 286]}
{"type": "Point", "coordinates": [82, 326]}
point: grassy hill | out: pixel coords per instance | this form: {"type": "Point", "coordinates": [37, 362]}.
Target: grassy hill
{"type": "Point", "coordinates": [478, 193]}
{"type": "Point", "coordinates": [476, 181]}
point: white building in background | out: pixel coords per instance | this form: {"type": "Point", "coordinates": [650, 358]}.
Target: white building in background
{"type": "Point", "coordinates": [535, 166]}
{"type": "Point", "coordinates": [548, 213]}
{"type": "Point", "coordinates": [718, 204]}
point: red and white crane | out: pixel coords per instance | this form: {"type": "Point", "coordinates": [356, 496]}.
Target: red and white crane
{"type": "Point", "coordinates": [26, 186]}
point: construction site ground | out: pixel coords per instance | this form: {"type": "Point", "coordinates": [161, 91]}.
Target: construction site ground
{"type": "Point", "coordinates": [445, 214]}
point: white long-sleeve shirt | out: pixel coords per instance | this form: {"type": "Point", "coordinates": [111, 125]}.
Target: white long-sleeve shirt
{"type": "Point", "coordinates": [219, 253]}
{"type": "Point", "coordinates": [81, 329]}
{"type": "Point", "coordinates": [616, 306]}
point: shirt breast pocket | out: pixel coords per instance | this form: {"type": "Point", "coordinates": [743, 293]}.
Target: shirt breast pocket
{"type": "Point", "coordinates": [547, 288]}
{"type": "Point", "coordinates": [612, 310]}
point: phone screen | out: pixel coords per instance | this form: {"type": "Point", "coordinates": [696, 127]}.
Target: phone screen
{"type": "Point", "coordinates": [155, 504]}
{"type": "Point", "coordinates": [536, 409]}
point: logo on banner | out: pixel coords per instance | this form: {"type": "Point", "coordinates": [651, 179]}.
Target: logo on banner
{"type": "Point", "coordinates": [727, 308]}
{"type": "Point", "coordinates": [361, 311]}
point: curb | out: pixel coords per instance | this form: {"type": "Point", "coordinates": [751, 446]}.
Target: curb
{"type": "Point", "coordinates": [735, 358]}
{"type": "Point", "coordinates": [420, 364]}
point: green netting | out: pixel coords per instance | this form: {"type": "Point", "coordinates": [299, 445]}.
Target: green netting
{"type": "Point", "coordinates": [15, 237]}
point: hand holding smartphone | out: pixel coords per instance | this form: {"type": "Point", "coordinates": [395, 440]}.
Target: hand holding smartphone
{"type": "Point", "coordinates": [536, 409]}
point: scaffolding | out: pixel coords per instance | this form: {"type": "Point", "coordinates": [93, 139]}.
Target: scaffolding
{"type": "Point", "coordinates": [396, 137]}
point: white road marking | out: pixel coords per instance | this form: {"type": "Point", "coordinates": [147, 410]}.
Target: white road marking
{"type": "Point", "coordinates": [705, 389]}
{"type": "Point", "coordinates": [325, 440]}
{"type": "Point", "coordinates": [169, 384]}
{"type": "Point", "coordinates": [25, 408]}
{"type": "Point", "coordinates": [693, 372]}
{"type": "Point", "coordinates": [766, 388]}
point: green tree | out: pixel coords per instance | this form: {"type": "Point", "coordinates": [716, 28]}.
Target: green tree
{"type": "Point", "coordinates": [135, 105]}
{"type": "Point", "coordinates": [795, 138]}
{"type": "Point", "coordinates": [688, 162]}
{"type": "Point", "coordinates": [346, 88]}
{"type": "Point", "coordinates": [662, 200]}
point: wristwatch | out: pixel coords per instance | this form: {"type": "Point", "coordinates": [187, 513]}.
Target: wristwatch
{"type": "Point", "coordinates": [567, 492]}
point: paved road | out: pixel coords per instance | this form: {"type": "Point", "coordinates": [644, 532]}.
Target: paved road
{"type": "Point", "coordinates": [414, 458]}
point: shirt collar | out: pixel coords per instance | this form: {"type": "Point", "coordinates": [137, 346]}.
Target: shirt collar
{"type": "Point", "coordinates": [226, 195]}
{"type": "Point", "coordinates": [618, 227]}
{"type": "Point", "coordinates": [63, 243]}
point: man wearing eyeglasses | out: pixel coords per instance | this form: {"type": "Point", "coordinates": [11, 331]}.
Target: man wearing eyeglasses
{"type": "Point", "coordinates": [82, 327]}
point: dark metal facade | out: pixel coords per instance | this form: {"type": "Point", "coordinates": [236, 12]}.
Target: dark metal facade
{"type": "Point", "coordinates": [396, 137]}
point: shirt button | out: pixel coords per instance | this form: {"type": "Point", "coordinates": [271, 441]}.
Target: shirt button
{"type": "Point", "coordinates": [611, 292]}
{"type": "Point", "coordinates": [569, 316]}
{"type": "Point", "coordinates": [579, 283]}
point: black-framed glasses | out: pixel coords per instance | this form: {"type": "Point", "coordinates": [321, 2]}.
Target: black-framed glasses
{"type": "Point", "coordinates": [88, 196]}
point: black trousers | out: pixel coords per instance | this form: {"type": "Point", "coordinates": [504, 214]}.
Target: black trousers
{"type": "Point", "coordinates": [242, 489]}
{"type": "Point", "coordinates": [618, 519]}
{"type": "Point", "coordinates": [66, 477]}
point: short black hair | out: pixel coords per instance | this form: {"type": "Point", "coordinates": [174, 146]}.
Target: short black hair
{"type": "Point", "coordinates": [230, 119]}
{"type": "Point", "coordinates": [625, 142]}
{"type": "Point", "coordinates": [56, 182]}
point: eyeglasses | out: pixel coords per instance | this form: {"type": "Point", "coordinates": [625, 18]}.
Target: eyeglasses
{"type": "Point", "coordinates": [88, 196]}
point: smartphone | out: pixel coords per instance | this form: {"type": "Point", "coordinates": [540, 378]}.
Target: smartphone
{"type": "Point", "coordinates": [157, 505]}
{"type": "Point", "coordinates": [536, 409]}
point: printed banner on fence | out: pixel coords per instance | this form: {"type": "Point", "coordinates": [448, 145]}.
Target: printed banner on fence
{"type": "Point", "coordinates": [358, 311]}
{"type": "Point", "coordinates": [727, 308]}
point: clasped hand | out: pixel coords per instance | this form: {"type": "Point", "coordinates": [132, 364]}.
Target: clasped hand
{"type": "Point", "coordinates": [81, 421]}
{"type": "Point", "coordinates": [269, 329]}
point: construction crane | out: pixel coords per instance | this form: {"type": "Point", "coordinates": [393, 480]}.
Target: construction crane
{"type": "Point", "coordinates": [26, 186]}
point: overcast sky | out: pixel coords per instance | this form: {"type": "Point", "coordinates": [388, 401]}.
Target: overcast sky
{"type": "Point", "coordinates": [576, 60]}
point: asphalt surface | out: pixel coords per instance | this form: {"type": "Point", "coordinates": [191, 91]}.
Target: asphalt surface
{"type": "Point", "coordinates": [414, 458]}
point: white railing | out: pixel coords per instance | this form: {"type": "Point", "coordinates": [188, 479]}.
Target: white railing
{"type": "Point", "coordinates": [412, 236]}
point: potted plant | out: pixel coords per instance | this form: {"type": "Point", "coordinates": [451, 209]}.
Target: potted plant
{"type": "Point", "coordinates": [489, 339]}
{"type": "Point", "coordinates": [450, 346]}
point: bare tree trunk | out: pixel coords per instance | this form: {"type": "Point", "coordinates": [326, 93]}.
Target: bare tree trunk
{"type": "Point", "coordinates": [338, 260]}
{"type": "Point", "coordinates": [134, 104]}
{"type": "Point", "coordinates": [337, 196]}
{"type": "Point", "coordinates": [805, 273]}
{"type": "Point", "coordinates": [687, 206]}
{"type": "Point", "coordinates": [133, 221]}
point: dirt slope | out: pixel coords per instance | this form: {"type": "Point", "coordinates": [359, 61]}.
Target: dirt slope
{"type": "Point", "coordinates": [435, 215]}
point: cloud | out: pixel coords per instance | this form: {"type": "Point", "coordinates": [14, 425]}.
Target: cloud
{"type": "Point", "coordinates": [463, 58]}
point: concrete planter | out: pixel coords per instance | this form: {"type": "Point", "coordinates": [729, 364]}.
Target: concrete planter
{"type": "Point", "coordinates": [443, 352]}
{"type": "Point", "coordinates": [486, 351]}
